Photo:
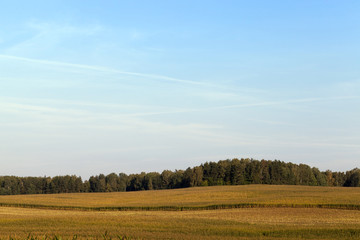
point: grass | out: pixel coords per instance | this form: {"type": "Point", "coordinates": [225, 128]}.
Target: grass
{"type": "Point", "coordinates": [208, 224]}
{"type": "Point", "coordinates": [196, 197]}
{"type": "Point", "coordinates": [270, 216]}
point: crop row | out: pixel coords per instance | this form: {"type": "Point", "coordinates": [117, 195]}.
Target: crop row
{"type": "Point", "coordinates": [185, 208]}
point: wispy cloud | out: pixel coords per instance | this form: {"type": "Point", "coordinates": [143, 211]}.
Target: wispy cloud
{"type": "Point", "coordinates": [15, 107]}
{"type": "Point", "coordinates": [46, 27]}
{"type": "Point", "coordinates": [284, 102]}
{"type": "Point", "coordinates": [107, 70]}
{"type": "Point", "coordinates": [352, 86]}
{"type": "Point", "coordinates": [54, 121]}
{"type": "Point", "coordinates": [45, 36]}
{"type": "Point", "coordinates": [15, 103]}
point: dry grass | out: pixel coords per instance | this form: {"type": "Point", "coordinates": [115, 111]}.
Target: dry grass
{"type": "Point", "coordinates": [244, 223]}
{"type": "Point", "coordinates": [199, 196]}
{"type": "Point", "coordinates": [209, 224]}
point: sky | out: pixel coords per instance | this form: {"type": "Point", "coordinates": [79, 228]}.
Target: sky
{"type": "Point", "coordinates": [90, 87]}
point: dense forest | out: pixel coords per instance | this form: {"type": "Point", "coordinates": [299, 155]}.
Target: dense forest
{"type": "Point", "coordinates": [224, 172]}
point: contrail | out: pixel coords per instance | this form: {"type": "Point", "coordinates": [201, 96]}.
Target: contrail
{"type": "Point", "coordinates": [107, 70]}
{"type": "Point", "coordinates": [271, 103]}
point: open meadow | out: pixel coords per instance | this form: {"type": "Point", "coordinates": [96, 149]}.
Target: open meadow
{"type": "Point", "coordinates": [220, 212]}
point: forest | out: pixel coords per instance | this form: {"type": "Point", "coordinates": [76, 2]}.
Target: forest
{"type": "Point", "coordinates": [223, 172]}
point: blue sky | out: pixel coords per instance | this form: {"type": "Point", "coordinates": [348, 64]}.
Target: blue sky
{"type": "Point", "coordinates": [89, 87]}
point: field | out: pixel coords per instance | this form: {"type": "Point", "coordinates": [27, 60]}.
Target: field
{"type": "Point", "coordinates": [221, 212]}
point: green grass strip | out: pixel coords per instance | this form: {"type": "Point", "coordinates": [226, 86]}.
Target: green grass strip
{"type": "Point", "coordinates": [184, 208]}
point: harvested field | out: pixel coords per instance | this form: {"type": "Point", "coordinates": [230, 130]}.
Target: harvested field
{"type": "Point", "coordinates": [265, 222]}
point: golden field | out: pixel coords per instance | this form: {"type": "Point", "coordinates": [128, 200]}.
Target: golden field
{"type": "Point", "coordinates": [197, 196]}
{"type": "Point", "coordinates": [270, 217]}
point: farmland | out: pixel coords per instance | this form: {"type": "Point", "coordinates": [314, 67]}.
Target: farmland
{"type": "Point", "coordinates": [226, 212]}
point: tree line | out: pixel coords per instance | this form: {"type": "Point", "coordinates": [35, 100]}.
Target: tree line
{"type": "Point", "coordinates": [224, 172]}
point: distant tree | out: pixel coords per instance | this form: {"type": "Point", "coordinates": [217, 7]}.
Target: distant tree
{"type": "Point", "coordinates": [235, 172]}
{"type": "Point", "coordinates": [265, 172]}
{"type": "Point", "coordinates": [165, 178]}
{"type": "Point", "coordinates": [353, 178]}
{"type": "Point", "coordinates": [86, 186]}
{"type": "Point", "coordinates": [136, 182]}
{"type": "Point", "coordinates": [253, 173]}
{"type": "Point", "coordinates": [111, 182]}
{"type": "Point", "coordinates": [155, 179]}
{"type": "Point", "coordinates": [306, 175]}
{"type": "Point", "coordinates": [97, 183]}
{"type": "Point", "coordinates": [122, 182]}
{"type": "Point", "coordinates": [320, 177]}
{"type": "Point", "coordinates": [176, 179]}
{"type": "Point", "coordinates": [329, 178]}
{"type": "Point", "coordinates": [193, 177]}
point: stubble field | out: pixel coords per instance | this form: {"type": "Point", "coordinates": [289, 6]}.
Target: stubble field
{"type": "Point", "coordinates": [221, 212]}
